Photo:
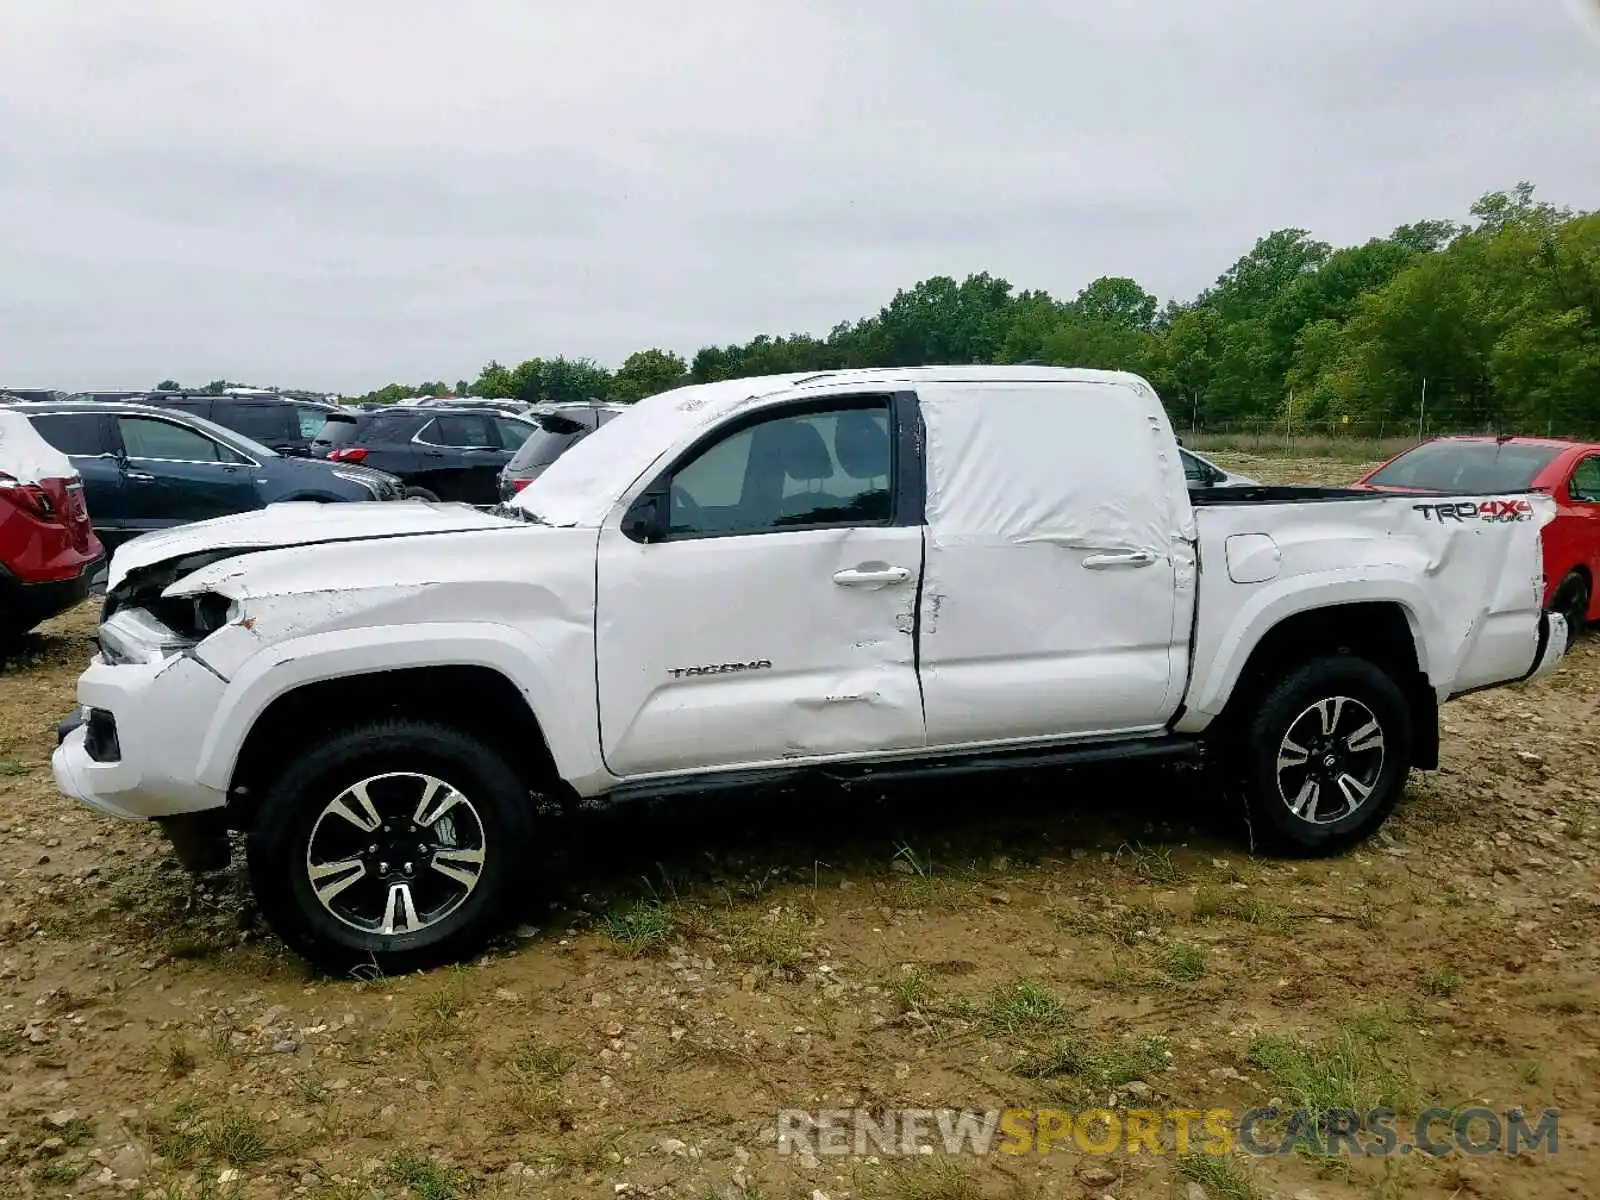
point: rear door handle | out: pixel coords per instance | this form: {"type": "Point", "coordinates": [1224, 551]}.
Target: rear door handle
{"type": "Point", "coordinates": [871, 575]}
{"type": "Point", "coordinates": [138, 477]}
{"type": "Point", "coordinates": [1119, 558]}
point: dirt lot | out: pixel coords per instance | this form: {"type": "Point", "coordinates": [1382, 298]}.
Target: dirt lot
{"type": "Point", "coordinates": [1072, 941]}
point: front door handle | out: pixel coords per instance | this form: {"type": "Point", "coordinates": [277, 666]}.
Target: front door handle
{"type": "Point", "coordinates": [871, 575]}
{"type": "Point", "coordinates": [138, 477]}
{"type": "Point", "coordinates": [1119, 558]}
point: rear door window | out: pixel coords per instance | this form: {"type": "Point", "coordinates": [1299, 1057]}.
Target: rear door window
{"type": "Point", "coordinates": [81, 434]}
{"type": "Point", "coordinates": [464, 430]}
{"type": "Point", "coordinates": [148, 437]}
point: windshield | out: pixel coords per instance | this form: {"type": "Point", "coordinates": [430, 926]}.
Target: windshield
{"type": "Point", "coordinates": [580, 488]}
{"type": "Point", "coordinates": [229, 437]}
{"type": "Point", "coordinates": [1463, 466]}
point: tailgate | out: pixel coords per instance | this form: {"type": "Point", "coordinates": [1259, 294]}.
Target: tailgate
{"type": "Point", "coordinates": [1467, 571]}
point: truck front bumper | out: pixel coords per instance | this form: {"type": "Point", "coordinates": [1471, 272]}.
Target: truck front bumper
{"type": "Point", "coordinates": [133, 749]}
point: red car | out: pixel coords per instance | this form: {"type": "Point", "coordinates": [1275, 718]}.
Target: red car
{"type": "Point", "coordinates": [1569, 471]}
{"type": "Point", "coordinates": [48, 552]}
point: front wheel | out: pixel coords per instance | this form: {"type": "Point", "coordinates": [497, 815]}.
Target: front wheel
{"type": "Point", "coordinates": [1325, 755]}
{"type": "Point", "coordinates": [396, 844]}
{"type": "Point", "coordinates": [1571, 600]}
{"type": "Point", "coordinates": [420, 493]}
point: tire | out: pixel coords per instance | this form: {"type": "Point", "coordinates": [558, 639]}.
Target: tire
{"type": "Point", "coordinates": [1571, 600]}
{"type": "Point", "coordinates": [1336, 814]}
{"type": "Point", "coordinates": [417, 493]}
{"type": "Point", "coordinates": [391, 908]}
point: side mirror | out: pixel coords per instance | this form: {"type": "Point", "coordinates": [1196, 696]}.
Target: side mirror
{"type": "Point", "coordinates": [646, 519]}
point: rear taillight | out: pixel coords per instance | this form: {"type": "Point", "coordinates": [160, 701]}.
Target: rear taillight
{"type": "Point", "coordinates": [29, 497]}
{"type": "Point", "coordinates": [350, 454]}
{"type": "Point", "coordinates": [518, 484]}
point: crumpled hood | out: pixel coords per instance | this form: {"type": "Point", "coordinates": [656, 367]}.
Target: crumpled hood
{"type": "Point", "coordinates": [301, 523]}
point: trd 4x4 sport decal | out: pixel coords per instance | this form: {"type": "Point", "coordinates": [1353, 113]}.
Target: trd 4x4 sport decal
{"type": "Point", "coordinates": [764, 664]}
{"type": "Point", "coordinates": [1486, 510]}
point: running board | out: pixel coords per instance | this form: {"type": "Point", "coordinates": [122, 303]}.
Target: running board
{"type": "Point", "coordinates": [1168, 748]}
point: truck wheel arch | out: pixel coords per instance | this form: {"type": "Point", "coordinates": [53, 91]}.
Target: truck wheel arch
{"type": "Point", "coordinates": [1384, 633]}
{"type": "Point", "coordinates": [476, 673]}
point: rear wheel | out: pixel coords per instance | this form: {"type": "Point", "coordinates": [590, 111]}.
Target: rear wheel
{"type": "Point", "coordinates": [396, 844]}
{"type": "Point", "coordinates": [1571, 600]}
{"type": "Point", "coordinates": [1325, 755]}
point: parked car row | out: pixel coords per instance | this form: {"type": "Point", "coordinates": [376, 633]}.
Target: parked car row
{"type": "Point", "coordinates": [438, 453]}
{"type": "Point", "coordinates": [145, 468]}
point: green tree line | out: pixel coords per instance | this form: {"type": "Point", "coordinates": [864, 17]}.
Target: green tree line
{"type": "Point", "coordinates": [1492, 323]}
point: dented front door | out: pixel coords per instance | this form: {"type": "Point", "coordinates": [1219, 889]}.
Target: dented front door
{"type": "Point", "coordinates": [774, 622]}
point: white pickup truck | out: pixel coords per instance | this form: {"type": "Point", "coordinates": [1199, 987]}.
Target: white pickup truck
{"type": "Point", "coordinates": [849, 576]}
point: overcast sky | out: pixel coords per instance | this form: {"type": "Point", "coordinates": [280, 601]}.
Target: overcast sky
{"type": "Point", "coordinates": [338, 193]}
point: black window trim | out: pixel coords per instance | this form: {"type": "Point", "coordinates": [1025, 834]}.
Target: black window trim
{"type": "Point", "coordinates": [907, 475]}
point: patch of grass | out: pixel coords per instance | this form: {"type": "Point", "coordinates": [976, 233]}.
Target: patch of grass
{"type": "Point", "coordinates": [536, 1072]}
{"type": "Point", "coordinates": [1440, 982]}
{"type": "Point", "coordinates": [427, 1178]}
{"type": "Point", "coordinates": [941, 893]}
{"type": "Point", "coordinates": [1222, 1176]}
{"type": "Point", "coordinates": [1342, 448]}
{"type": "Point", "coordinates": [191, 1136]}
{"type": "Point", "coordinates": [778, 940]}
{"type": "Point", "coordinates": [1345, 1070]}
{"type": "Point", "coordinates": [640, 930]}
{"type": "Point", "coordinates": [919, 864]}
{"type": "Point", "coordinates": [1531, 1073]}
{"type": "Point", "coordinates": [1025, 1007]}
{"type": "Point", "coordinates": [179, 1060]}
{"type": "Point", "coordinates": [584, 1157]}
{"type": "Point", "coordinates": [912, 989]}
{"type": "Point", "coordinates": [928, 1181]}
{"type": "Point", "coordinates": [1098, 1063]}
{"type": "Point", "coordinates": [1153, 864]}
{"type": "Point", "coordinates": [547, 1064]}
{"type": "Point", "coordinates": [14, 767]}
{"type": "Point", "coordinates": [60, 1172]}
{"type": "Point", "coordinates": [437, 1014]}
{"type": "Point", "coordinates": [1184, 963]}
{"type": "Point", "coordinates": [76, 1131]}
{"type": "Point", "coordinates": [1215, 904]}
{"type": "Point", "coordinates": [1369, 918]}
{"type": "Point", "coordinates": [1125, 924]}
